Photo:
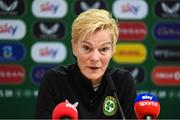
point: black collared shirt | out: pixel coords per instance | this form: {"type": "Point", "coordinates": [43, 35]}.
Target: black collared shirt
{"type": "Point", "coordinates": [67, 83]}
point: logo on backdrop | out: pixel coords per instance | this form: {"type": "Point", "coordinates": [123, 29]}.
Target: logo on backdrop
{"type": "Point", "coordinates": [48, 52]}
{"type": "Point", "coordinates": [128, 9]}
{"type": "Point", "coordinates": [49, 8]}
{"type": "Point", "coordinates": [83, 5]}
{"type": "Point", "coordinates": [38, 72]}
{"type": "Point", "coordinates": [110, 106]}
{"type": "Point", "coordinates": [11, 7]}
{"type": "Point", "coordinates": [48, 30]}
{"type": "Point", "coordinates": [11, 52]}
{"type": "Point", "coordinates": [137, 73]}
{"type": "Point", "coordinates": [11, 74]}
{"type": "Point", "coordinates": [167, 31]}
{"type": "Point", "coordinates": [167, 53]}
{"type": "Point", "coordinates": [167, 9]}
{"type": "Point", "coordinates": [166, 75]}
{"type": "Point", "coordinates": [132, 31]}
{"type": "Point", "coordinates": [130, 53]}
{"type": "Point", "coordinates": [12, 29]}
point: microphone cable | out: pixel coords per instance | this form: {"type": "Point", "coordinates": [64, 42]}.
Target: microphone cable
{"type": "Point", "coordinates": [115, 94]}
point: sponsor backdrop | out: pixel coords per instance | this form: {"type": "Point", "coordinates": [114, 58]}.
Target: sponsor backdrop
{"type": "Point", "coordinates": [35, 36]}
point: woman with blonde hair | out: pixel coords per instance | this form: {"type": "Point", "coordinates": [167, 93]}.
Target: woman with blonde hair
{"type": "Point", "coordinates": [97, 90]}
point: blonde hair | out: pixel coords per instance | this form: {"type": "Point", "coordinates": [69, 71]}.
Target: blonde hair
{"type": "Point", "coordinates": [93, 20]}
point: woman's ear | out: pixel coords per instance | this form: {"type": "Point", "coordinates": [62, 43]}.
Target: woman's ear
{"type": "Point", "coordinates": [73, 48]}
{"type": "Point", "coordinates": [114, 49]}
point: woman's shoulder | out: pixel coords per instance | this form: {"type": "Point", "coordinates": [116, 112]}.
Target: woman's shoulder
{"type": "Point", "coordinates": [118, 70]}
{"type": "Point", "coordinates": [62, 69]}
{"type": "Point", "coordinates": [59, 71]}
{"type": "Point", "coordinates": [56, 76]}
{"type": "Point", "coordinates": [121, 74]}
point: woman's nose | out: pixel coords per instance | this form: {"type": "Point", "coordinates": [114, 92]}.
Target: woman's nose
{"type": "Point", "coordinates": [95, 56]}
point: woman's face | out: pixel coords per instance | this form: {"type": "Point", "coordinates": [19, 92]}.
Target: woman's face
{"type": "Point", "coordinates": [93, 54]}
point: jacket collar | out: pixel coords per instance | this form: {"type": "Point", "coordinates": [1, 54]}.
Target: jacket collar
{"type": "Point", "coordinates": [83, 83]}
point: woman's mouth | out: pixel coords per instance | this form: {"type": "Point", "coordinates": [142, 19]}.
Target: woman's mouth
{"type": "Point", "coordinates": [94, 68]}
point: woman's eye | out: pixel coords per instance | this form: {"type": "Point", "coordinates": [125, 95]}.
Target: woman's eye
{"type": "Point", "coordinates": [105, 49]}
{"type": "Point", "coordinates": [86, 48]}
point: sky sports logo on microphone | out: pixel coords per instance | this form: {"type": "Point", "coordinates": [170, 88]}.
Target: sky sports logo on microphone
{"type": "Point", "coordinates": [146, 106]}
{"type": "Point", "coordinates": [146, 96]}
{"type": "Point", "coordinates": [148, 103]}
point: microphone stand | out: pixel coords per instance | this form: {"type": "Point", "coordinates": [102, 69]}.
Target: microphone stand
{"type": "Point", "coordinates": [147, 117]}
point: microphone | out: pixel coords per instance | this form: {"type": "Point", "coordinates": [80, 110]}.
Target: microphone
{"type": "Point", "coordinates": [65, 110]}
{"type": "Point", "coordinates": [146, 106]}
{"type": "Point", "coordinates": [115, 94]}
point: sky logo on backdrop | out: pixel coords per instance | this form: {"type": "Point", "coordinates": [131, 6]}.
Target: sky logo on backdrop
{"type": "Point", "coordinates": [8, 29]}
{"type": "Point", "coordinates": [11, 7]}
{"type": "Point", "coordinates": [49, 8]}
{"type": "Point", "coordinates": [49, 30]}
{"type": "Point", "coordinates": [11, 52]}
{"type": "Point", "coordinates": [12, 29]}
{"type": "Point", "coordinates": [48, 52]}
{"type": "Point", "coordinates": [83, 5]}
{"type": "Point", "coordinates": [167, 8]}
{"type": "Point", "coordinates": [128, 9]}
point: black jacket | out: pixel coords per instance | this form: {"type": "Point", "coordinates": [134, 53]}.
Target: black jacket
{"type": "Point", "coordinates": [67, 83]}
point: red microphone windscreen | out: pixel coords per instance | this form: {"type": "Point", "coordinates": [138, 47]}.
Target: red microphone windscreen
{"type": "Point", "coordinates": [147, 108]}
{"type": "Point", "coordinates": [65, 110]}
